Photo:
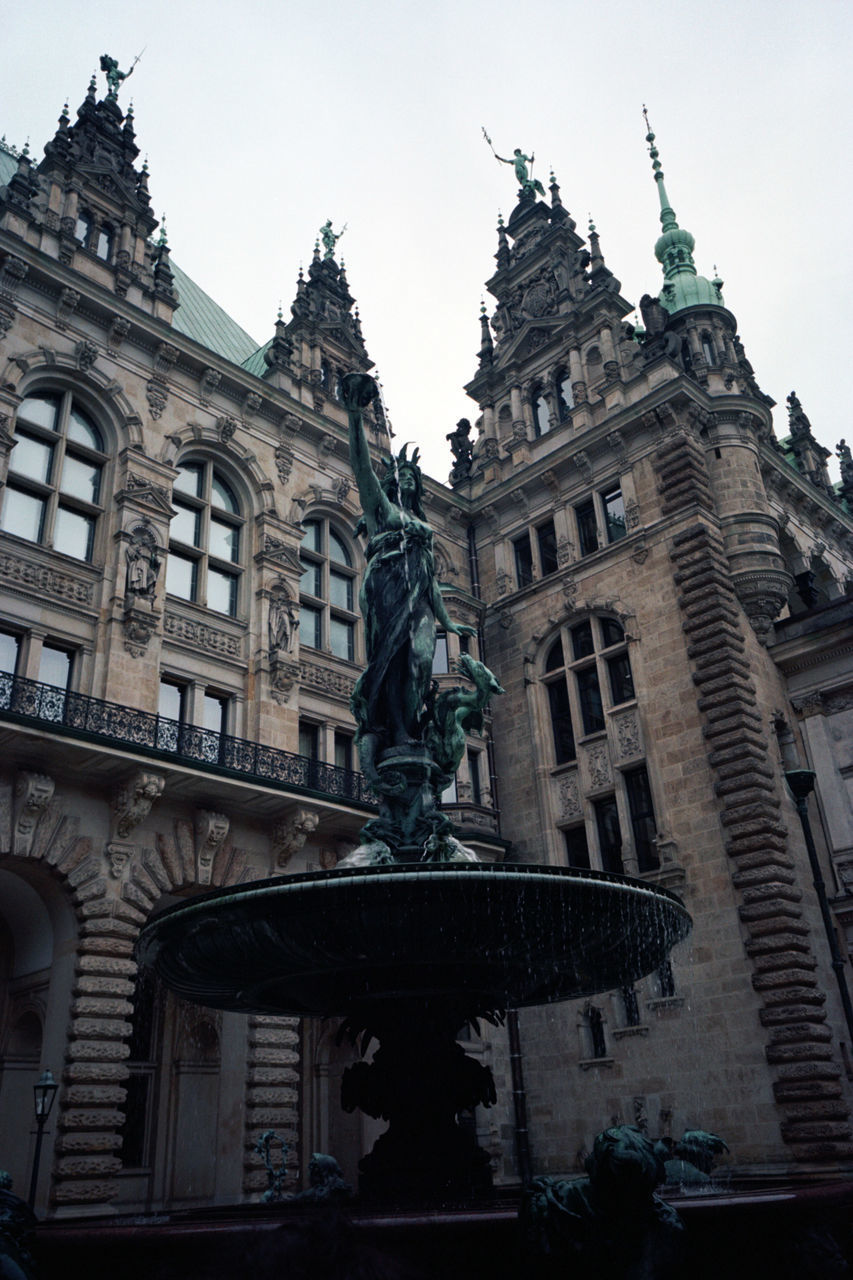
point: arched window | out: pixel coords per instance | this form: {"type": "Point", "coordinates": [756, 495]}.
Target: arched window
{"type": "Point", "coordinates": [205, 544]}
{"type": "Point", "coordinates": [327, 589]}
{"type": "Point", "coordinates": [586, 677]}
{"type": "Point", "coordinates": [53, 493]}
{"type": "Point", "coordinates": [565, 395]}
{"type": "Point", "coordinates": [541, 416]}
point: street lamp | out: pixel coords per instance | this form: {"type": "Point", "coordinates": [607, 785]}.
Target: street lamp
{"type": "Point", "coordinates": [44, 1092]}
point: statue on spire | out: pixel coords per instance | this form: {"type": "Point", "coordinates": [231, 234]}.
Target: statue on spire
{"type": "Point", "coordinates": [115, 77]}
{"type": "Point", "coordinates": [329, 238]}
{"type": "Point", "coordinates": [530, 186]}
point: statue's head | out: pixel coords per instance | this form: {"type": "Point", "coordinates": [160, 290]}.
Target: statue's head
{"type": "Point", "coordinates": [403, 482]}
{"type": "Point", "coordinates": [624, 1167]}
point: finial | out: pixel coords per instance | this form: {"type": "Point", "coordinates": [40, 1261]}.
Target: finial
{"type": "Point", "coordinates": [592, 230]}
{"type": "Point", "coordinates": [93, 86]}
{"type": "Point", "coordinates": [300, 278]}
{"type": "Point", "coordinates": [164, 239]}
{"type": "Point", "coordinates": [500, 220]}
{"type": "Point", "coordinates": [64, 116]}
{"type": "Point", "coordinates": [280, 316]}
{"type": "Point", "coordinates": [482, 307]}
{"type": "Point", "coordinates": [26, 151]}
{"type": "Point", "coordinates": [145, 166]}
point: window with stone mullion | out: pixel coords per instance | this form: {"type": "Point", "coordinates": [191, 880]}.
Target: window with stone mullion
{"type": "Point", "coordinates": [327, 591]}
{"type": "Point", "coordinates": [204, 545]}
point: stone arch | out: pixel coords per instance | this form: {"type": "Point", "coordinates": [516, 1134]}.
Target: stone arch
{"type": "Point", "coordinates": [239, 462]}
{"type": "Point", "coordinates": [103, 396]}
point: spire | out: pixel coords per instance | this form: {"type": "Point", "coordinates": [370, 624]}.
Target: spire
{"type": "Point", "coordinates": [486, 345]}
{"type": "Point", "coordinates": [683, 286]}
{"type": "Point", "coordinates": [502, 254]}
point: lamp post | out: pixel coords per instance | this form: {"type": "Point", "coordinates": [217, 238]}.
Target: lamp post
{"type": "Point", "coordinates": [44, 1092]}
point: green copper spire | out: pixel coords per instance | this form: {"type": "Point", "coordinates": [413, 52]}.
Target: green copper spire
{"type": "Point", "coordinates": [683, 287]}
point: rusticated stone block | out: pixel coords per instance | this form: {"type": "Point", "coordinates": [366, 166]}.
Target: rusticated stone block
{"type": "Point", "coordinates": [768, 962]}
{"type": "Point", "coordinates": [796, 1031]}
{"type": "Point", "coordinates": [75, 1140]}
{"type": "Point", "coordinates": [824, 1110]}
{"type": "Point", "coordinates": [792, 995]}
{"type": "Point", "coordinates": [768, 924]}
{"type": "Point", "coordinates": [791, 1013]}
{"type": "Point", "coordinates": [90, 889]}
{"type": "Point", "coordinates": [771, 891]}
{"type": "Point", "coordinates": [107, 965]}
{"type": "Point", "coordinates": [269, 1035]}
{"type": "Point", "coordinates": [71, 1191]}
{"type": "Point", "coordinates": [139, 898]}
{"type": "Point", "coordinates": [92, 1166]}
{"type": "Point", "coordinates": [96, 1071]}
{"type": "Point", "coordinates": [95, 1006]}
{"type": "Point", "coordinates": [754, 859]}
{"type": "Point", "coordinates": [100, 1028]}
{"type": "Point", "coordinates": [85, 984]}
{"type": "Point", "coordinates": [95, 1095]}
{"type": "Point", "coordinates": [805, 1052]}
{"type": "Point", "coordinates": [273, 1117]}
{"type": "Point", "coordinates": [810, 1130]}
{"type": "Point", "coordinates": [98, 1050]}
{"type": "Point", "coordinates": [786, 1091]}
{"type": "Point", "coordinates": [258, 1096]}
{"type": "Point", "coordinates": [771, 874]}
{"type": "Point", "coordinates": [815, 1152]}
{"type": "Point", "coordinates": [97, 1118]}
{"type": "Point", "coordinates": [273, 1075]}
{"type": "Point", "coordinates": [809, 1071]}
{"type": "Point", "coordinates": [266, 1053]}
{"type": "Point", "coordinates": [94, 925]}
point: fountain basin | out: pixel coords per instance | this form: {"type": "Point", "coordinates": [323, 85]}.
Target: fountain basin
{"type": "Point", "coordinates": [478, 936]}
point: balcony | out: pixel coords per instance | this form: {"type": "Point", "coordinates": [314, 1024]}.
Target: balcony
{"type": "Point", "coordinates": [110, 724]}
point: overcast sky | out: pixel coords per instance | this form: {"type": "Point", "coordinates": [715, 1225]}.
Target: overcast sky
{"type": "Point", "coordinates": [262, 119]}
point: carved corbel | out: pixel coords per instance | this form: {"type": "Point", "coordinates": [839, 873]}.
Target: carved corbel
{"type": "Point", "coordinates": [66, 306]}
{"type": "Point", "coordinates": [208, 382]}
{"type": "Point", "coordinates": [118, 331]}
{"type": "Point", "coordinates": [226, 426]}
{"type": "Point", "coordinates": [157, 395]}
{"type": "Point", "coordinates": [251, 404]}
{"type": "Point", "coordinates": [326, 446]}
{"type": "Point", "coordinates": [290, 835]}
{"type": "Point", "coordinates": [33, 794]}
{"type": "Point", "coordinates": [583, 464]}
{"type": "Point", "coordinates": [132, 803]}
{"type": "Point", "coordinates": [211, 832]}
{"type": "Point", "coordinates": [164, 359]}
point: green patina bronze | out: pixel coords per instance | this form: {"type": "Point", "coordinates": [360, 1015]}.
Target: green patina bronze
{"type": "Point", "coordinates": [410, 737]}
{"type": "Point", "coordinates": [115, 77]}
{"type": "Point", "coordinates": [530, 186]}
{"type": "Point", "coordinates": [329, 238]}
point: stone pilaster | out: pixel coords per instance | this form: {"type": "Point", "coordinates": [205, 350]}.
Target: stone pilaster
{"type": "Point", "coordinates": [272, 1096]}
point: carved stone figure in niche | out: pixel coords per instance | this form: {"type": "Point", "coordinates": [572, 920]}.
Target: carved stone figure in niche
{"type": "Point", "coordinates": [462, 450]}
{"type": "Point", "coordinates": [143, 563]}
{"type": "Point", "coordinates": [283, 622]}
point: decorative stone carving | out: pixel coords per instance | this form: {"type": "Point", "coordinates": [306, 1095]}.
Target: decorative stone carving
{"type": "Point", "coordinates": [570, 591]}
{"type": "Point", "coordinates": [142, 555]}
{"type": "Point", "coordinates": [139, 624]}
{"type": "Point", "coordinates": [284, 677]}
{"type": "Point", "coordinates": [44, 581]}
{"type": "Point", "coordinates": [85, 353]}
{"type": "Point", "coordinates": [157, 395]}
{"type": "Point", "coordinates": [502, 582]}
{"type": "Point", "coordinates": [505, 618]}
{"type": "Point", "coordinates": [211, 831]}
{"type": "Point", "coordinates": [251, 404]}
{"type": "Point", "coordinates": [627, 735]}
{"type": "Point", "coordinates": [326, 447]}
{"type": "Point", "coordinates": [326, 680]}
{"type": "Point", "coordinates": [208, 382]}
{"type": "Point", "coordinates": [291, 423]}
{"type": "Point", "coordinates": [226, 426]}
{"type": "Point", "coordinates": [118, 854]}
{"type": "Point", "coordinates": [583, 464]}
{"type": "Point", "coordinates": [565, 552]}
{"type": "Point", "coordinates": [132, 803]}
{"type": "Point", "coordinates": [598, 765]}
{"type": "Point", "coordinates": [640, 553]}
{"type": "Point", "coordinates": [118, 331]}
{"type": "Point", "coordinates": [164, 359]}
{"type": "Point", "coordinates": [199, 636]}
{"type": "Point", "coordinates": [290, 835]}
{"type": "Point", "coordinates": [570, 799]}
{"type": "Point", "coordinates": [617, 444]}
{"type": "Point", "coordinates": [283, 619]}
{"type": "Point", "coordinates": [341, 490]}
{"type": "Point", "coordinates": [33, 794]}
{"type": "Point", "coordinates": [67, 304]}
{"type": "Point", "coordinates": [632, 513]}
{"type": "Point", "coordinates": [283, 462]}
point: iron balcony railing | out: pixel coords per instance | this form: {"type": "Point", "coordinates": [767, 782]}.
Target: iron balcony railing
{"type": "Point", "coordinates": [79, 715]}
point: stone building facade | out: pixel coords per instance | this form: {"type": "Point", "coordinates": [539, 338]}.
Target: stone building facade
{"type": "Point", "coordinates": [662, 588]}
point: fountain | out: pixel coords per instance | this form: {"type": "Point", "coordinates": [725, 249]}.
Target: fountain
{"type": "Point", "coordinates": [411, 937]}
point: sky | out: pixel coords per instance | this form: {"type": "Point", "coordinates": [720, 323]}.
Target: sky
{"type": "Point", "coordinates": [262, 119]}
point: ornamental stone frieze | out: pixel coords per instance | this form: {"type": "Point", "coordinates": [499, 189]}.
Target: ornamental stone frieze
{"type": "Point", "coordinates": [596, 762]}
{"type": "Point", "coordinates": [41, 580]}
{"type": "Point", "coordinates": [335, 683]}
{"type": "Point", "coordinates": [211, 832]}
{"type": "Point", "coordinates": [628, 737]}
{"type": "Point", "coordinates": [132, 802]}
{"type": "Point", "coordinates": [289, 836]}
{"type": "Point", "coordinates": [198, 635]}
{"type": "Point", "coordinates": [569, 797]}
{"type": "Point", "coordinates": [33, 794]}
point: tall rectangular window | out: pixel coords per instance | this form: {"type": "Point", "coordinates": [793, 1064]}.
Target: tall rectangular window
{"type": "Point", "coordinates": [587, 528]}
{"type": "Point", "coordinates": [561, 721]}
{"type": "Point", "coordinates": [9, 646]}
{"type": "Point", "coordinates": [614, 514]}
{"type": "Point", "coordinates": [609, 834]}
{"type": "Point", "coordinates": [621, 681]}
{"type": "Point", "coordinates": [523, 560]}
{"type": "Point", "coordinates": [592, 711]}
{"type": "Point", "coordinates": [474, 775]}
{"type": "Point", "coordinates": [440, 666]}
{"type": "Point", "coordinates": [171, 708]}
{"type": "Point", "coordinates": [642, 817]}
{"type": "Point", "coordinates": [343, 750]}
{"type": "Point", "coordinates": [546, 538]}
{"type": "Point", "coordinates": [309, 740]}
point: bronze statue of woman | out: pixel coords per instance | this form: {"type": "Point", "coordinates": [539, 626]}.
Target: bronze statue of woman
{"type": "Point", "coordinates": [399, 599]}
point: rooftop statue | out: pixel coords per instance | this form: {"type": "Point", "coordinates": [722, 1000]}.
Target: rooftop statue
{"type": "Point", "coordinates": [530, 186]}
{"type": "Point", "coordinates": [396, 710]}
{"type": "Point", "coordinates": [329, 238]}
{"type": "Point", "coordinates": [114, 76]}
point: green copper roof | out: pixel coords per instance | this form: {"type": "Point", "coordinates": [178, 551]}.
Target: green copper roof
{"type": "Point", "coordinates": [203, 320]}
{"type": "Point", "coordinates": [683, 286]}
{"type": "Point", "coordinates": [256, 363]}
{"type": "Point", "coordinates": [8, 164]}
